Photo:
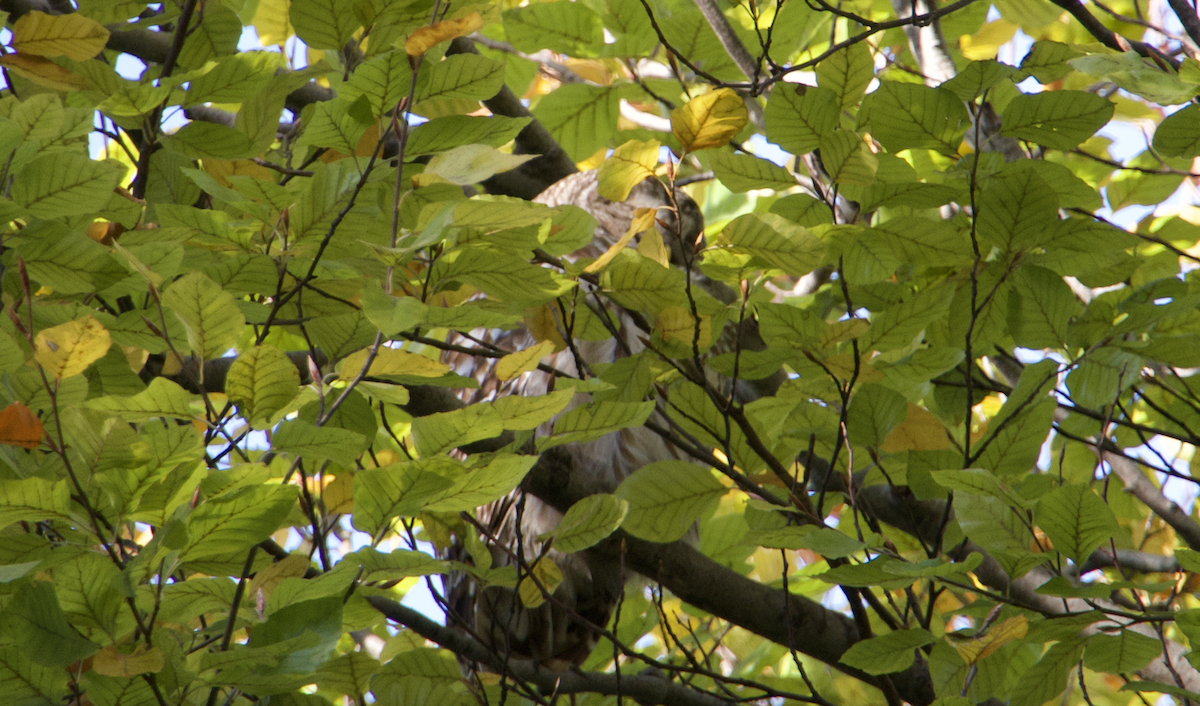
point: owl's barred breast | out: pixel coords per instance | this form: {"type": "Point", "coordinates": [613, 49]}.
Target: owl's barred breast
{"type": "Point", "coordinates": [552, 633]}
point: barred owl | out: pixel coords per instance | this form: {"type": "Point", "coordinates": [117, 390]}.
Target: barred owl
{"type": "Point", "coordinates": [550, 633]}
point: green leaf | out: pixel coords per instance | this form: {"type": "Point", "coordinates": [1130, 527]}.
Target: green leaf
{"type": "Point", "coordinates": [900, 324]}
{"type": "Point", "coordinates": [441, 134]}
{"type": "Point", "coordinates": [1178, 135]}
{"type": "Point", "coordinates": [889, 653]}
{"type": "Point", "coordinates": [588, 521]}
{"type": "Point", "coordinates": [1040, 307]}
{"type": "Point", "coordinates": [324, 24]}
{"type": "Point", "coordinates": [261, 381]}
{"type": "Point", "coordinates": [212, 141]}
{"type": "Point", "coordinates": [349, 674]}
{"type": "Point", "coordinates": [26, 682]}
{"type": "Point", "coordinates": [438, 433]}
{"type": "Point", "coordinates": [384, 80]}
{"type": "Point", "coordinates": [874, 411]}
{"type": "Point", "coordinates": [797, 117]}
{"type": "Point", "coordinates": [562, 27]}
{"type": "Point", "coordinates": [912, 116]}
{"type": "Point", "coordinates": [500, 276]}
{"type": "Point", "coordinates": [401, 489]}
{"type": "Point", "coordinates": [1076, 520]}
{"type": "Point", "coordinates": [774, 242]}
{"type": "Point", "coordinates": [847, 159]}
{"type": "Point", "coordinates": [33, 499]}
{"type": "Point", "coordinates": [1014, 447]}
{"type": "Point", "coordinates": [468, 76]}
{"type": "Point", "coordinates": [337, 124]}
{"type": "Point", "coordinates": [215, 35]}
{"type": "Point", "coordinates": [744, 172]}
{"type": "Point", "coordinates": [1139, 76]}
{"type": "Point", "coordinates": [234, 79]}
{"type": "Point", "coordinates": [237, 521]}
{"type": "Point", "coordinates": [300, 438]}
{"type": "Point", "coordinates": [63, 184]}
{"type": "Point", "coordinates": [978, 76]}
{"type": "Point", "coordinates": [322, 616]}
{"type": "Point", "coordinates": [1047, 679]}
{"type": "Point", "coordinates": [642, 284]}
{"type": "Point", "coordinates": [1047, 61]}
{"type": "Point", "coordinates": [208, 312]}
{"type": "Point", "coordinates": [666, 497]}
{"type": "Point", "coordinates": [162, 398]}
{"type": "Point", "coordinates": [33, 619]}
{"type": "Point", "coordinates": [590, 422]}
{"type": "Point", "coordinates": [471, 164]}
{"type": "Point", "coordinates": [580, 117]}
{"type": "Point", "coordinates": [979, 481]}
{"type": "Point", "coordinates": [1056, 119]}
{"type": "Point", "coordinates": [1015, 210]}
{"type": "Point", "coordinates": [481, 486]}
{"type": "Point", "coordinates": [847, 73]}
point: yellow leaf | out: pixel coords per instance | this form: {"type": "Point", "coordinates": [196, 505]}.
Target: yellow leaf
{"type": "Point", "coordinates": [68, 349]}
{"type": "Point", "coordinates": [643, 219]}
{"type": "Point", "coordinates": [920, 431]}
{"type": "Point", "coordinates": [676, 323]}
{"type": "Point", "coordinates": [629, 165]}
{"type": "Point", "coordinates": [543, 326]}
{"type": "Point", "coordinates": [264, 582]}
{"type": "Point", "coordinates": [652, 247]}
{"type": "Point", "coordinates": [710, 120]}
{"type": "Point", "coordinates": [142, 660]}
{"type": "Point", "coordinates": [339, 495]}
{"type": "Point", "coordinates": [73, 36]}
{"type": "Point", "coordinates": [514, 364]}
{"type": "Point", "coordinates": [546, 575]}
{"type": "Point", "coordinates": [974, 649]}
{"type": "Point", "coordinates": [391, 361]}
{"type": "Point", "coordinates": [272, 22]}
{"type": "Point", "coordinates": [19, 427]}
{"type": "Point", "coordinates": [424, 38]}
{"type": "Point", "coordinates": [987, 41]}
{"type": "Point", "coordinates": [43, 72]}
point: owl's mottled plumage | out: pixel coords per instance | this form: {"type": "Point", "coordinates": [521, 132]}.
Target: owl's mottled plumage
{"type": "Point", "coordinates": [590, 587]}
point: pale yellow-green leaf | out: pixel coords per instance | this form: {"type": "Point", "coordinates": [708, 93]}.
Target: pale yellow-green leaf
{"type": "Point", "coordinates": [471, 164]}
{"type": "Point", "coordinates": [33, 499]}
{"type": "Point", "coordinates": [652, 247]}
{"type": "Point", "coordinates": [628, 165]}
{"type": "Point", "coordinates": [643, 219]}
{"type": "Point", "coordinates": [544, 579]}
{"type": "Point", "coordinates": [208, 312]}
{"type": "Point", "coordinates": [976, 648]}
{"type": "Point", "coordinates": [676, 323]}
{"type": "Point", "coordinates": [261, 381]}
{"type": "Point", "coordinates": [272, 22]}
{"type": "Point", "coordinates": [666, 497]}
{"type": "Point", "coordinates": [709, 120]}
{"type": "Point", "coordinates": [68, 349]}
{"type": "Point", "coordinates": [390, 361]}
{"type": "Point", "coordinates": [162, 398]}
{"type": "Point", "coordinates": [112, 662]}
{"type": "Point", "coordinates": [588, 521]}
{"type": "Point", "coordinates": [514, 364]}
{"type": "Point", "coordinates": [73, 35]}
{"type": "Point", "coordinates": [519, 413]}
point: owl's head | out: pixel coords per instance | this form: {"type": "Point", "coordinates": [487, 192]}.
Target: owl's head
{"type": "Point", "coordinates": [679, 219]}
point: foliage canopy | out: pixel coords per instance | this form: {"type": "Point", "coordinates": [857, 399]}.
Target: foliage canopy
{"type": "Point", "coordinates": [998, 375]}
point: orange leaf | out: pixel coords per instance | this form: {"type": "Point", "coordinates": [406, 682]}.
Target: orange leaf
{"type": "Point", "coordinates": [19, 427]}
{"type": "Point", "coordinates": [425, 38]}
